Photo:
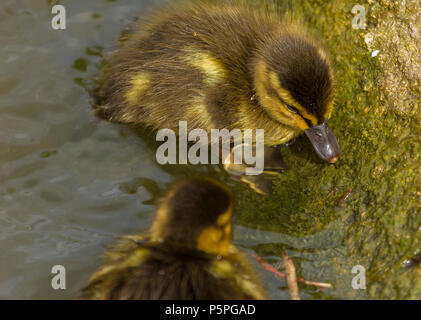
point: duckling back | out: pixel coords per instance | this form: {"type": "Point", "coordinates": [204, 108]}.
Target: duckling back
{"type": "Point", "coordinates": [191, 64]}
{"type": "Point", "coordinates": [168, 273]}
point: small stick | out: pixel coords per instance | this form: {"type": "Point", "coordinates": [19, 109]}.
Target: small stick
{"type": "Point", "coordinates": [291, 277]}
{"type": "Point", "coordinates": [315, 284]}
{"type": "Point", "coordinates": [344, 197]}
{"type": "Point", "coordinates": [270, 268]}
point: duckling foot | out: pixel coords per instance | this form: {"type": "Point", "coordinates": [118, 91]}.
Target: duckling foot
{"type": "Point", "coordinates": [262, 184]}
{"type": "Point", "coordinates": [274, 163]}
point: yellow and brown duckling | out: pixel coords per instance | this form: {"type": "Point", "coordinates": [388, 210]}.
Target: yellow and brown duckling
{"type": "Point", "coordinates": [187, 255]}
{"type": "Point", "coordinates": [224, 66]}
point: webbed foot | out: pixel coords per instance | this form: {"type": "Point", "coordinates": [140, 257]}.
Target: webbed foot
{"type": "Point", "coordinates": [262, 183]}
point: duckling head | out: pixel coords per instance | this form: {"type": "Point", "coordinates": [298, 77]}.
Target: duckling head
{"type": "Point", "coordinates": [294, 82]}
{"type": "Point", "coordinates": [196, 213]}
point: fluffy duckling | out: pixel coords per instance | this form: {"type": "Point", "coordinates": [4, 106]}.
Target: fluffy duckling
{"type": "Point", "coordinates": [224, 66]}
{"type": "Point", "coordinates": [188, 254]}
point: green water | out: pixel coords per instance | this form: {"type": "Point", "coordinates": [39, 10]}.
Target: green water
{"type": "Point", "coordinates": [71, 183]}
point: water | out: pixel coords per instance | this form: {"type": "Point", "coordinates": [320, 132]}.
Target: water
{"type": "Point", "coordinates": [71, 183]}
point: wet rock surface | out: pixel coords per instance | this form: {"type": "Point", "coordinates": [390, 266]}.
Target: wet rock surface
{"type": "Point", "coordinates": [377, 122]}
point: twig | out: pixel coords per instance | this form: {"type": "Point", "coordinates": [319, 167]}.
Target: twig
{"type": "Point", "coordinates": [344, 197]}
{"type": "Point", "coordinates": [323, 285]}
{"type": "Point", "coordinates": [291, 277]}
{"type": "Point", "coordinates": [270, 268]}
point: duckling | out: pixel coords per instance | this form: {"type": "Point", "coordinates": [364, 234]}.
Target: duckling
{"type": "Point", "coordinates": [224, 66]}
{"type": "Point", "coordinates": [187, 253]}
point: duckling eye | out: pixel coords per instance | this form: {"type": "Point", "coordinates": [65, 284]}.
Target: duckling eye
{"type": "Point", "coordinates": [291, 108]}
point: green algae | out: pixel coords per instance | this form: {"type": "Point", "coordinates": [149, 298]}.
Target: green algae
{"type": "Point", "coordinates": [81, 64]}
{"type": "Point", "coordinates": [379, 224]}
{"type": "Point", "coordinates": [47, 154]}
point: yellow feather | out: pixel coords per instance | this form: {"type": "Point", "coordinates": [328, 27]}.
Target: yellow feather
{"type": "Point", "coordinates": [139, 83]}
{"type": "Point", "coordinates": [212, 69]}
{"type": "Point", "coordinates": [211, 240]}
{"type": "Point", "coordinates": [199, 112]}
{"type": "Point", "coordinates": [135, 259]}
{"type": "Point", "coordinates": [223, 269]}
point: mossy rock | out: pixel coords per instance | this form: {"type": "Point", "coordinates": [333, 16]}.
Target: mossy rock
{"type": "Point", "coordinates": [377, 122]}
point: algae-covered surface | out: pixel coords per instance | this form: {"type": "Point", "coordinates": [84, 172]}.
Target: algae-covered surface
{"type": "Point", "coordinates": [377, 122]}
{"type": "Point", "coordinates": [71, 183]}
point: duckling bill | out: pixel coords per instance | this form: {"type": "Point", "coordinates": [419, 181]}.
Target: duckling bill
{"type": "Point", "coordinates": [224, 66]}
{"type": "Point", "coordinates": [187, 255]}
{"type": "Point", "coordinates": [324, 142]}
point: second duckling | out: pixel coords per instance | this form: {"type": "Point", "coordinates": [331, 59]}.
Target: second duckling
{"type": "Point", "coordinates": [188, 254]}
